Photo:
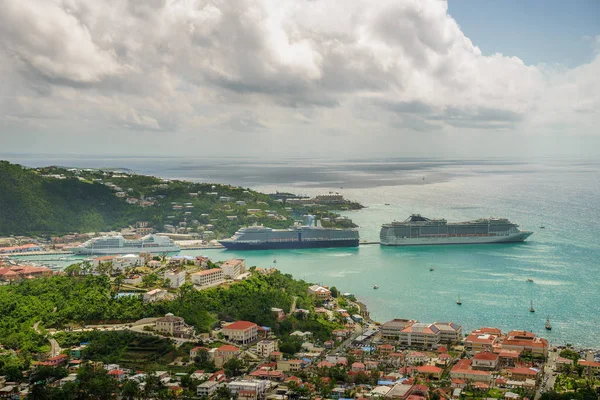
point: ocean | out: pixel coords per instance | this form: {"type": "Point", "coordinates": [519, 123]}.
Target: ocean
{"type": "Point", "coordinates": [563, 259]}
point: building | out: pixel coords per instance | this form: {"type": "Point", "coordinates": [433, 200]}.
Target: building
{"type": "Point", "coordinates": [289, 365]}
{"type": "Point", "coordinates": [264, 348]}
{"type": "Point", "coordinates": [233, 268]}
{"type": "Point", "coordinates": [450, 332]}
{"type": "Point", "coordinates": [420, 335]}
{"type": "Point", "coordinates": [278, 313]}
{"type": "Point", "coordinates": [207, 388]}
{"type": "Point", "coordinates": [20, 272]}
{"type": "Point", "coordinates": [430, 371]}
{"type": "Point", "coordinates": [320, 292]}
{"type": "Point", "coordinates": [195, 352]}
{"type": "Point", "coordinates": [242, 332]}
{"type": "Point", "coordinates": [175, 278]}
{"type": "Point", "coordinates": [463, 370]}
{"type": "Point", "coordinates": [590, 367]}
{"type": "Point", "coordinates": [525, 341]}
{"type": "Point", "coordinates": [253, 389]}
{"type": "Point", "coordinates": [225, 353]}
{"type": "Point", "coordinates": [485, 360]}
{"type": "Point", "coordinates": [479, 341]}
{"type": "Point", "coordinates": [26, 248]}
{"type": "Point", "coordinates": [154, 295]}
{"type": "Point", "coordinates": [173, 326]}
{"type": "Point", "coordinates": [392, 329]}
{"type": "Point", "coordinates": [416, 357]}
{"type": "Point", "coordinates": [208, 277]}
{"type": "Point", "coordinates": [400, 391]}
{"type": "Point", "coordinates": [522, 374]}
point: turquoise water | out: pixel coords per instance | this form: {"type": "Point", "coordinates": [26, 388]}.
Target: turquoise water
{"type": "Point", "coordinates": [563, 259]}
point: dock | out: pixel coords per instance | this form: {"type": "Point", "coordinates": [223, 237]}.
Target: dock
{"type": "Point", "coordinates": [363, 243]}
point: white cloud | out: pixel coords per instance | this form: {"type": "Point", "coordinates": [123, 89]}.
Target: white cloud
{"type": "Point", "coordinates": [290, 73]}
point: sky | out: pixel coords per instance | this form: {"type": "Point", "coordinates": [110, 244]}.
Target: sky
{"type": "Point", "coordinates": [287, 78]}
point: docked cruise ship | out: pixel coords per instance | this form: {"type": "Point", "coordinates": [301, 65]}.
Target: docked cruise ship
{"type": "Point", "coordinates": [119, 245]}
{"type": "Point", "coordinates": [418, 230]}
{"type": "Point", "coordinates": [259, 237]}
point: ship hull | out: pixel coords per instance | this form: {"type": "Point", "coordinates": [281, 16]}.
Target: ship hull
{"type": "Point", "coordinates": [231, 245]}
{"type": "Point", "coordinates": [447, 240]}
{"type": "Point", "coordinates": [124, 250]}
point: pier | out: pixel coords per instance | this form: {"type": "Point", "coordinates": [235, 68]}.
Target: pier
{"type": "Point", "coordinates": [364, 243]}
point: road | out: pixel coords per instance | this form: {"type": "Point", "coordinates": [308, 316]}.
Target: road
{"type": "Point", "coordinates": [548, 377]}
{"type": "Point", "coordinates": [54, 346]}
{"type": "Point", "coordinates": [293, 307]}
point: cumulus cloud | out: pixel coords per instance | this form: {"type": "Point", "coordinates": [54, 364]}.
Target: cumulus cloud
{"type": "Point", "coordinates": [282, 73]}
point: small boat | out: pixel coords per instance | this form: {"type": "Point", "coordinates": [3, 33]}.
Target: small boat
{"type": "Point", "coordinates": [387, 204]}
{"type": "Point", "coordinates": [375, 287]}
{"type": "Point", "coordinates": [548, 326]}
{"type": "Point", "coordinates": [432, 269]}
{"type": "Point", "coordinates": [458, 301]}
{"type": "Point", "coordinates": [529, 280]}
{"type": "Point", "coordinates": [274, 261]}
{"type": "Point", "coordinates": [531, 309]}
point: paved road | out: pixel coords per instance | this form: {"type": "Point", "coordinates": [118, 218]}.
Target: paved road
{"type": "Point", "coordinates": [54, 347]}
{"type": "Point", "coordinates": [293, 307]}
{"type": "Point", "coordinates": [548, 377]}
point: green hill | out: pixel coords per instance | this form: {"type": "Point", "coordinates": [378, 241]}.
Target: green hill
{"type": "Point", "coordinates": [32, 204]}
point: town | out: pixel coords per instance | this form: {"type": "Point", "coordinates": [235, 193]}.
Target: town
{"type": "Point", "coordinates": [345, 355]}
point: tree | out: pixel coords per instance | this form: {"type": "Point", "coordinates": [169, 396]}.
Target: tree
{"type": "Point", "coordinates": [233, 367]}
{"type": "Point", "coordinates": [222, 393]}
{"type": "Point", "coordinates": [119, 280]}
{"type": "Point", "coordinates": [334, 292]}
{"type": "Point", "coordinates": [130, 390]}
{"type": "Point", "coordinates": [73, 270]}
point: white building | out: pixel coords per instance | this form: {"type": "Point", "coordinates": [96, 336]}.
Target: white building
{"type": "Point", "coordinates": [154, 295]}
{"type": "Point", "coordinates": [176, 278]}
{"type": "Point", "coordinates": [207, 388]}
{"type": "Point", "coordinates": [265, 347]}
{"type": "Point", "coordinates": [450, 332]}
{"type": "Point", "coordinates": [208, 277]}
{"type": "Point", "coordinates": [420, 335]}
{"type": "Point", "coordinates": [259, 387]}
{"type": "Point", "coordinates": [233, 268]}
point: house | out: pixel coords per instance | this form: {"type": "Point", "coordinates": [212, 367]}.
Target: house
{"type": "Point", "coordinates": [117, 374]}
{"type": "Point", "coordinates": [173, 326]}
{"type": "Point", "coordinates": [385, 350]}
{"type": "Point", "coordinates": [264, 348]}
{"type": "Point", "coordinates": [242, 332]}
{"type": "Point", "coordinates": [522, 374]}
{"type": "Point", "coordinates": [19, 272]}
{"type": "Point", "coordinates": [289, 365]}
{"type": "Point", "coordinates": [278, 313]}
{"type": "Point", "coordinates": [207, 388]}
{"type": "Point", "coordinates": [463, 370]}
{"type": "Point", "coordinates": [249, 389]}
{"type": "Point", "coordinates": [154, 295]}
{"type": "Point", "coordinates": [590, 367]}
{"type": "Point", "coordinates": [479, 341]}
{"type": "Point", "coordinates": [225, 353]}
{"type": "Point", "coordinates": [175, 278]}
{"type": "Point", "coordinates": [525, 341]}
{"type": "Point", "coordinates": [358, 367]}
{"type": "Point", "coordinates": [55, 361]}
{"type": "Point", "coordinates": [450, 332]}
{"type": "Point", "coordinates": [233, 268]}
{"type": "Point", "coordinates": [399, 391]}
{"type": "Point", "coordinates": [416, 357]}
{"type": "Point", "coordinates": [562, 363]}
{"type": "Point", "coordinates": [485, 360]}
{"type": "Point", "coordinates": [392, 329]}
{"type": "Point", "coordinates": [320, 292]}
{"type": "Point", "coordinates": [420, 335]}
{"type": "Point", "coordinates": [509, 357]}
{"type": "Point", "coordinates": [26, 248]}
{"type": "Point", "coordinates": [430, 371]}
{"type": "Point", "coordinates": [208, 277]}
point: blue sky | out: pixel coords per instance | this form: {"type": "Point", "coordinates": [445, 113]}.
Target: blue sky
{"type": "Point", "coordinates": [537, 31]}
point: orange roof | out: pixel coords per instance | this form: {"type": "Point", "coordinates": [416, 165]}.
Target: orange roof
{"type": "Point", "coordinates": [228, 348]}
{"type": "Point", "coordinates": [486, 355]}
{"type": "Point", "coordinates": [491, 331]}
{"type": "Point", "coordinates": [523, 371]}
{"type": "Point", "coordinates": [481, 338]}
{"type": "Point", "coordinates": [429, 369]}
{"type": "Point", "coordinates": [208, 272]}
{"type": "Point", "coordinates": [241, 325]}
{"type": "Point", "coordinates": [589, 363]}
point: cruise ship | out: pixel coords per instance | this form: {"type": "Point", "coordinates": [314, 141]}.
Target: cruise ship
{"type": "Point", "coordinates": [259, 237]}
{"type": "Point", "coordinates": [119, 245]}
{"type": "Point", "coordinates": [418, 230]}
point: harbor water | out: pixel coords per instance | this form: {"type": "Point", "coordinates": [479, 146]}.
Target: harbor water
{"type": "Point", "coordinates": [562, 259]}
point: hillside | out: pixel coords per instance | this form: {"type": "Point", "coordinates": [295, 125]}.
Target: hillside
{"type": "Point", "coordinates": [55, 200]}
{"type": "Point", "coordinates": [30, 203]}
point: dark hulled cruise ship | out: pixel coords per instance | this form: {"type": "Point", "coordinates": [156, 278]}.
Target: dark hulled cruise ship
{"type": "Point", "coordinates": [418, 230]}
{"type": "Point", "coordinates": [259, 237]}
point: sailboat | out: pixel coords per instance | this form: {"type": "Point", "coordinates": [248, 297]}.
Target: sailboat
{"type": "Point", "coordinates": [531, 309]}
{"type": "Point", "coordinates": [458, 300]}
{"type": "Point", "coordinates": [548, 326]}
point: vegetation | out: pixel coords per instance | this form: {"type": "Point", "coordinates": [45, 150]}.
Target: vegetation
{"type": "Point", "coordinates": [53, 200]}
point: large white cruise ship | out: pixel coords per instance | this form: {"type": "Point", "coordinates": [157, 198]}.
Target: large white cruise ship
{"type": "Point", "coordinates": [119, 245]}
{"type": "Point", "coordinates": [418, 230]}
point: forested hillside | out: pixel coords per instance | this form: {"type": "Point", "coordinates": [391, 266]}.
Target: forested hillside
{"type": "Point", "coordinates": [30, 203]}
